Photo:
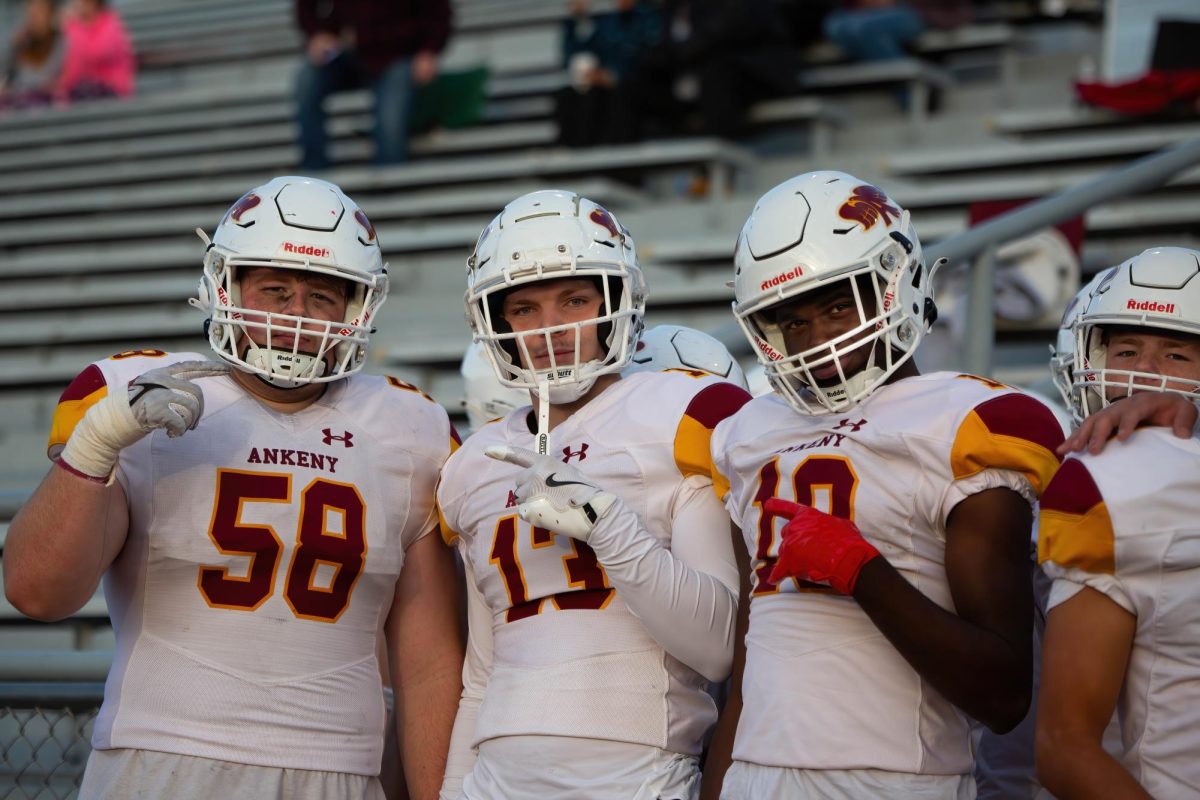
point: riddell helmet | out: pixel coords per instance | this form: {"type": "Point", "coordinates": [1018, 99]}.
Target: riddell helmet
{"type": "Point", "coordinates": [293, 223]}
{"type": "Point", "coordinates": [676, 347]}
{"type": "Point", "coordinates": [542, 236]}
{"type": "Point", "coordinates": [815, 230]}
{"type": "Point", "coordinates": [486, 398]}
{"type": "Point", "coordinates": [1158, 290]}
{"type": "Point", "coordinates": [1062, 352]}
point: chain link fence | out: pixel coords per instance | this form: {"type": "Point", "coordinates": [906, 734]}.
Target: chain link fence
{"type": "Point", "coordinates": [45, 735]}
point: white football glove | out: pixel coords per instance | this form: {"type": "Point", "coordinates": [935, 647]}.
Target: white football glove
{"type": "Point", "coordinates": [554, 495]}
{"type": "Point", "coordinates": [161, 398]}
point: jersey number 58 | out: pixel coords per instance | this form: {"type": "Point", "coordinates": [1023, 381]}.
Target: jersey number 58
{"type": "Point", "coordinates": [326, 562]}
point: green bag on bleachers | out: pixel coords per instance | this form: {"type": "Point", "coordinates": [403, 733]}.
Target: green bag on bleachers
{"type": "Point", "coordinates": [451, 100]}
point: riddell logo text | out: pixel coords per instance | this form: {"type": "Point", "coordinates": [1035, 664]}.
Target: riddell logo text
{"type": "Point", "coordinates": [306, 250]}
{"type": "Point", "coordinates": [1149, 305]}
{"type": "Point", "coordinates": [782, 277]}
{"type": "Point", "coordinates": [771, 352]}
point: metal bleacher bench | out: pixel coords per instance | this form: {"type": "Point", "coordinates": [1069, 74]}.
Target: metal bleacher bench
{"type": "Point", "coordinates": [821, 117]}
{"type": "Point", "coordinates": [723, 159]}
{"type": "Point", "coordinates": [1115, 144]}
{"type": "Point", "coordinates": [919, 77]}
{"type": "Point", "coordinates": [91, 228]}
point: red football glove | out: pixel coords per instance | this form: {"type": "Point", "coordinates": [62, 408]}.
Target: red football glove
{"type": "Point", "coordinates": [819, 547]}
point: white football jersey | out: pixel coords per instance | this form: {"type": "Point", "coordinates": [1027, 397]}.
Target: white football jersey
{"type": "Point", "coordinates": [823, 688]}
{"type": "Point", "coordinates": [261, 563]}
{"type": "Point", "coordinates": [1126, 523]}
{"type": "Point", "coordinates": [568, 657]}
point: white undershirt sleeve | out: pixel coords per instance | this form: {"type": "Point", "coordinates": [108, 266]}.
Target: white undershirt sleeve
{"type": "Point", "coordinates": [686, 596]}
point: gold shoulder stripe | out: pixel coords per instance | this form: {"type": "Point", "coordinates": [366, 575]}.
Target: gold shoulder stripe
{"type": "Point", "coordinates": [692, 454]}
{"type": "Point", "coordinates": [708, 407]}
{"type": "Point", "coordinates": [1078, 540]}
{"type": "Point", "coordinates": [720, 484]}
{"type": "Point", "coordinates": [979, 446]}
{"type": "Point", "coordinates": [67, 415]}
{"type": "Point", "coordinates": [1074, 528]}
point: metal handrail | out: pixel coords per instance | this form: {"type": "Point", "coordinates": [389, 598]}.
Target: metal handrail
{"type": "Point", "coordinates": [982, 241]}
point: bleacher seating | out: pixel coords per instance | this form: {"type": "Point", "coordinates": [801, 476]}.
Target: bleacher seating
{"type": "Point", "coordinates": [97, 253]}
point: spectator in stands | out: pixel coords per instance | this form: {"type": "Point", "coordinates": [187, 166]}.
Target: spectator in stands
{"type": "Point", "coordinates": [599, 51]}
{"type": "Point", "coordinates": [99, 58]}
{"type": "Point", "coordinates": [715, 56]}
{"type": "Point", "coordinates": [879, 30]}
{"type": "Point", "coordinates": [34, 59]}
{"type": "Point", "coordinates": [351, 44]}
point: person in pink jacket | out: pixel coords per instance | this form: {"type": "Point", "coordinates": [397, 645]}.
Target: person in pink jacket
{"type": "Point", "coordinates": [99, 60]}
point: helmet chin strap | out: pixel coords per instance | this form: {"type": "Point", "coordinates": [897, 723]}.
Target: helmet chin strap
{"type": "Point", "coordinates": [543, 418]}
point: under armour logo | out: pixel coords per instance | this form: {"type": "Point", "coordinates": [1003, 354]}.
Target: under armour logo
{"type": "Point", "coordinates": [851, 424]}
{"type": "Point", "coordinates": [568, 453]}
{"type": "Point", "coordinates": [512, 499]}
{"type": "Point", "coordinates": [346, 438]}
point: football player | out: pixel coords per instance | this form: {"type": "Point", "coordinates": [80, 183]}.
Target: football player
{"type": "Point", "coordinates": [661, 347]}
{"type": "Point", "coordinates": [1119, 536]}
{"type": "Point", "coordinates": [259, 522]}
{"type": "Point", "coordinates": [601, 574]}
{"type": "Point", "coordinates": [886, 515]}
{"type": "Point", "coordinates": [1004, 763]}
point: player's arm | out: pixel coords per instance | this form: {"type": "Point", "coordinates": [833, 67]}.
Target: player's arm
{"type": "Point", "coordinates": [1123, 417]}
{"type": "Point", "coordinates": [425, 653]}
{"type": "Point", "coordinates": [720, 749]}
{"type": "Point", "coordinates": [74, 525]}
{"type": "Point", "coordinates": [476, 669]}
{"type": "Point", "coordinates": [60, 543]}
{"type": "Point", "coordinates": [1086, 648]}
{"type": "Point", "coordinates": [686, 596]}
{"type": "Point", "coordinates": [980, 657]}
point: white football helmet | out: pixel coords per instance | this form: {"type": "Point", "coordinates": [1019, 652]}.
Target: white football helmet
{"type": "Point", "coordinates": [815, 230]}
{"type": "Point", "coordinates": [1062, 352]}
{"type": "Point", "coordinates": [486, 397]}
{"type": "Point", "coordinates": [676, 347]}
{"type": "Point", "coordinates": [1157, 290]}
{"type": "Point", "coordinates": [294, 223]}
{"type": "Point", "coordinates": [546, 235]}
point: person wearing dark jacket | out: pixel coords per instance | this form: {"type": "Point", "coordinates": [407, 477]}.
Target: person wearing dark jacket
{"type": "Point", "coordinates": [599, 50]}
{"type": "Point", "coordinates": [715, 56]}
{"type": "Point", "coordinates": [389, 47]}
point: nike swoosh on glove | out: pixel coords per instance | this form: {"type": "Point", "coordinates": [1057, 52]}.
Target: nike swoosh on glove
{"type": "Point", "coordinates": [554, 495]}
{"type": "Point", "coordinates": [163, 398]}
{"type": "Point", "coordinates": [819, 547]}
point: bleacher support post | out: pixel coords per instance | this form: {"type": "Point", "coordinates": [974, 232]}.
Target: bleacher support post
{"type": "Point", "coordinates": [981, 314]}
